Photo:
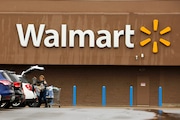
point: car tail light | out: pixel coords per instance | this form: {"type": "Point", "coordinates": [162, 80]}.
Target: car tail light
{"type": "Point", "coordinates": [17, 84]}
{"type": "Point", "coordinates": [5, 82]}
{"type": "Point", "coordinates": [29, 87]}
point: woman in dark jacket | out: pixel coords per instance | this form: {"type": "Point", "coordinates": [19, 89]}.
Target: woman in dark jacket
{"type": "Point", "coordinates": [42, 84]}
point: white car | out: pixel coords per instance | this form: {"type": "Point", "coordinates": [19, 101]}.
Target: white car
{"type": "Point", "coordinates": [30, 93]}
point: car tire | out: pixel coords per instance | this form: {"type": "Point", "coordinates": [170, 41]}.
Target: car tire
{"type": "Point", "coordinates": [5, 105]}
{"type": "Point", "coordinates": [16, 104]}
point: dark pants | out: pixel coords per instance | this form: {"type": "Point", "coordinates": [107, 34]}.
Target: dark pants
{"type": "Point", "coordinates": [42, 97]}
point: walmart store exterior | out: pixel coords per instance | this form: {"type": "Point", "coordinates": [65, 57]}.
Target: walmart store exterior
{"type": "Point", "coordinates": [90, 44]}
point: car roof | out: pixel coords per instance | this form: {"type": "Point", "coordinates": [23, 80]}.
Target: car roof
{"type": "Point", "coordinates": [5, 75]}
{"type": "Point", "coordinates": [1, 70]}
{"type": "Point", "coordinates": [1, 76]}
{"type": "Point", "coordinates": [11, 75]}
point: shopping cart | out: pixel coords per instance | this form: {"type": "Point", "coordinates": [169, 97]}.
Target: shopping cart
{"type": "Point", "coordinates": [53, 96]}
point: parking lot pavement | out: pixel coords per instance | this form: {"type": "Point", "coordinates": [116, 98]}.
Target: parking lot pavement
{"type": "Point", "coordinates": [89, 113]}
{"type": "Point", "coordinates": [74, 113]}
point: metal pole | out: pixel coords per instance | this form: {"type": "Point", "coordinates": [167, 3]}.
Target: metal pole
{"type": "Point", "coordinates": [160, 96]}
{"type": "Point", "coordinates": [74, 95]}
{"type": "Point", "coordinates": [131, 96]}
{"type": "Point", "coordinates": [103, 95]}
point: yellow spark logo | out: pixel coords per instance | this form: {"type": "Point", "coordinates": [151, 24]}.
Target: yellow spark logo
{"type": "Point", "coordinates": [161, 40]}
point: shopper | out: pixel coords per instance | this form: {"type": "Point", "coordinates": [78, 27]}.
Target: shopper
{"type": "Point", "coordinates": [42, 84]}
